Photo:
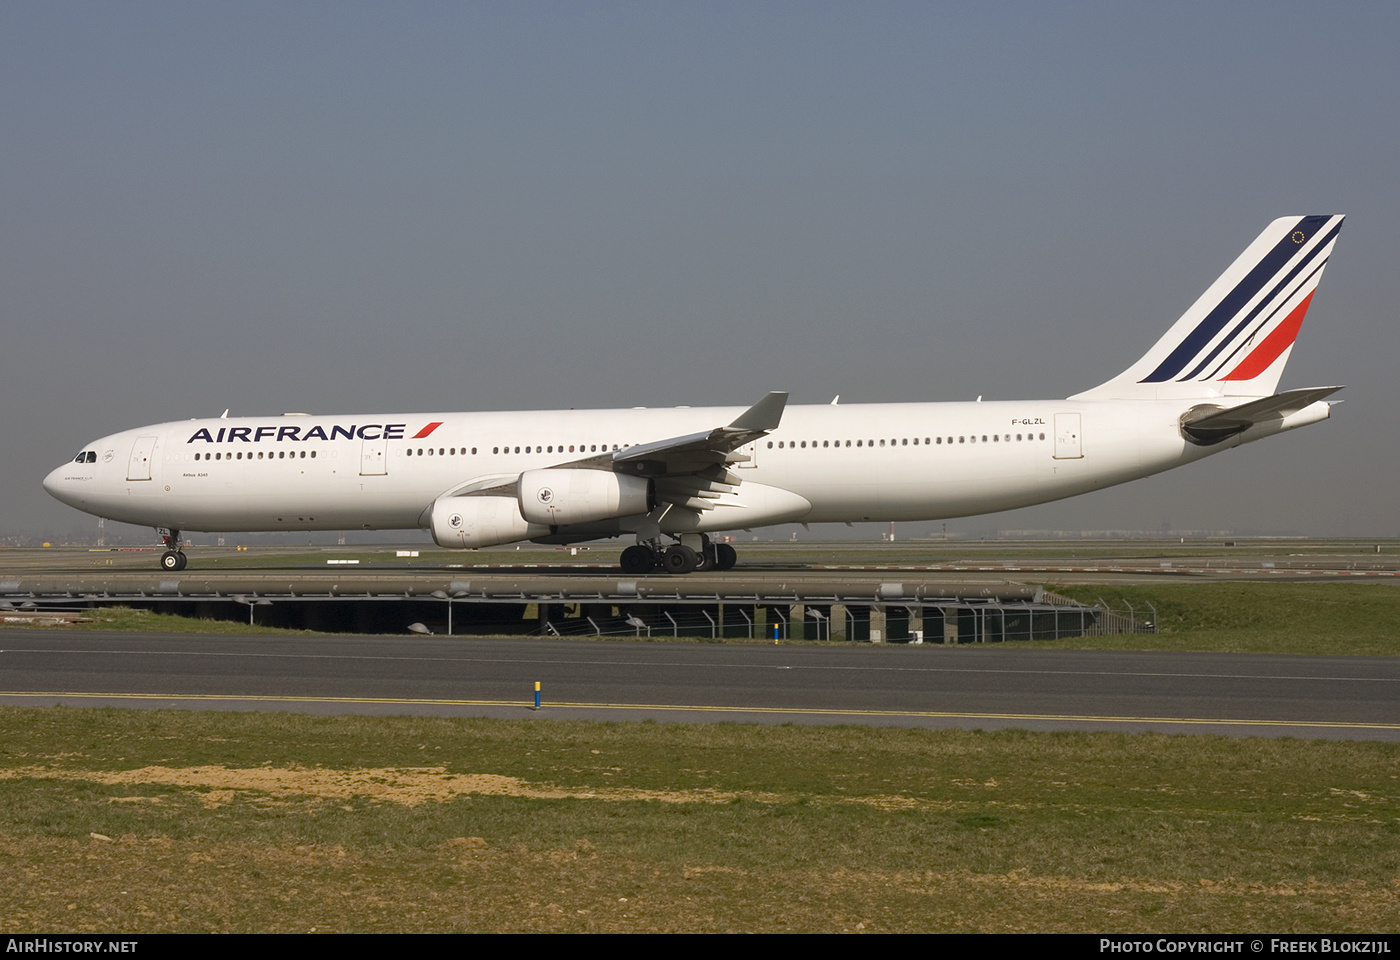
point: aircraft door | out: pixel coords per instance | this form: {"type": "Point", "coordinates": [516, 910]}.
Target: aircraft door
{"type": "Point", "coordinates": [1067, 437]}
{"type": "Point", "coordinates": [749, 450]}
{"type": "Point", "coordinates": [139, 467]}
{"type": "Point", "coordinates": [373, 462]}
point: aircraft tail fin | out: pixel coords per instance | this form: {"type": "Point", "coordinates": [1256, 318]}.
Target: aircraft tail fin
{"type": "Point", "coordinates": [1236, 338]}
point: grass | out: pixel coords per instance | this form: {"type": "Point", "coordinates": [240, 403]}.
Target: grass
{"type": "Point", "coordinates": [261, 822]}
{"type": "Point", "coordinates": [124, 619]}
{"type": "Point", "coordinates": [1359, 619]}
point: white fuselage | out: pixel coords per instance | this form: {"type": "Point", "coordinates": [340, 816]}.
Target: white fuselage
{"type": "Point", "coordinates": [829, 463]}
{"type": "Point", "coordinates": [477, 479]}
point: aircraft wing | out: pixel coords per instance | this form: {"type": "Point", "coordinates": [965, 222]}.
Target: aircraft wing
{"type": "Point", "coordinates": [698, 450]}
{"type": "Point", "coordinates": [690, 470]}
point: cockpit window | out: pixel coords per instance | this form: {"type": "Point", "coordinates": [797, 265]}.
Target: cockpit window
{"type": "Point", "coordinates": [87, 456]}
{"type": "Point", "coordinates": [92, 456]}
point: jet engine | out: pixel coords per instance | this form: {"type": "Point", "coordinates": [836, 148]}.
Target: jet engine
{"type": "Point", "coordinates": [459, 522]}
{"type": "Point", "coordinates": [558, 497]}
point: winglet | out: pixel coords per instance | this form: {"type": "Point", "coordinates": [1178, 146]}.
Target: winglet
{"type": "Point", "coordinates": [762, 416]}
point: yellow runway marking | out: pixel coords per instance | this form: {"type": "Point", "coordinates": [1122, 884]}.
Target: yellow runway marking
{"type": "Point", "coordinates": [679, 708]}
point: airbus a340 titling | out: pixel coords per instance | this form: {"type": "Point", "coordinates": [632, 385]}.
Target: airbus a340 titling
{"type": "Point", "coordinates": [669, 478]}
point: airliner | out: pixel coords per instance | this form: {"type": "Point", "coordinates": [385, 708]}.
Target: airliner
{"type": "Point", "coordinates": [670, 479]}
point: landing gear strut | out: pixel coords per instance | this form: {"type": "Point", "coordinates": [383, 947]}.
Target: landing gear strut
{"type": "Point", "coordinates": [173, 559]}
{"type": "Point", "coordinates": [678, 558]}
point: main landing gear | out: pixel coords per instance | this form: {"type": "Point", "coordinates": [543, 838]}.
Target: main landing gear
{"type": "Point", "coordinates": [173, 559]}
{"type": "Point", "coordinates": [678, 558]}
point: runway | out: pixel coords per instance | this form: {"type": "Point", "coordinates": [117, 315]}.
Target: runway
{"type": "Point", "coordinates": [920, 686]}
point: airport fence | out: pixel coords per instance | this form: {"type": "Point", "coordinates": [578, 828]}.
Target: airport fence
{"type": "Point", "coordinates": [1111, 621]}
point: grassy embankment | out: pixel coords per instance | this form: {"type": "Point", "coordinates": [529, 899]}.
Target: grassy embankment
{"type": "Point", "coordinates": [1333, 618]}
{"type": "Point", "coordinates": [1361, 619]}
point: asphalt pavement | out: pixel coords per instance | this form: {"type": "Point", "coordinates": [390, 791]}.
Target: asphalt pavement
{"type": "Point", "coordinates": [924, 686]}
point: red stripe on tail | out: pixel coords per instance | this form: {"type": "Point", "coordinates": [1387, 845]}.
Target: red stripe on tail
{"type": "Point", "coordinates": [1274, 344]}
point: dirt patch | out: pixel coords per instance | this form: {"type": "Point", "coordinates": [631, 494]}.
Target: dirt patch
{"type": "Point", "coordinates": [406, 785]}
{"type": "Point", "coordinates": [412, 785]}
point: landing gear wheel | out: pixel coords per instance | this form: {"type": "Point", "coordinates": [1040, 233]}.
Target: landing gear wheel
{"type": "Point", "coordinates": [172, 559]}
{"type": "Point", "coordinates": [679, 558]}
{"type": "Point", "coordinates": [637, 560]}
{"type": "Point", "coordinates": [725, 557]}
{"type": "Point", "coordinates": [184, 560]}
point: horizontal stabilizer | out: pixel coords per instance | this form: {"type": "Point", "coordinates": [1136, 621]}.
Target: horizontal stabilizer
{"type": "Point", "coordinates": [1208, 423]}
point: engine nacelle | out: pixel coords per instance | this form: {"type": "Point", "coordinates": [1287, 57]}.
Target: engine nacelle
{"type": "Point", "coordinates": [558, 497]}
{"type": "Point", "coordinates": [459, 522]}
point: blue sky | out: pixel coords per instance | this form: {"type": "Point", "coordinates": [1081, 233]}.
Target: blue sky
{"type": "Point", "coordinates": [357, 207]}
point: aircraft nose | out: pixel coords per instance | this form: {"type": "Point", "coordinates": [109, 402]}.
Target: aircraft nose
{"type": "Point", "coordinates": [55, 485]}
